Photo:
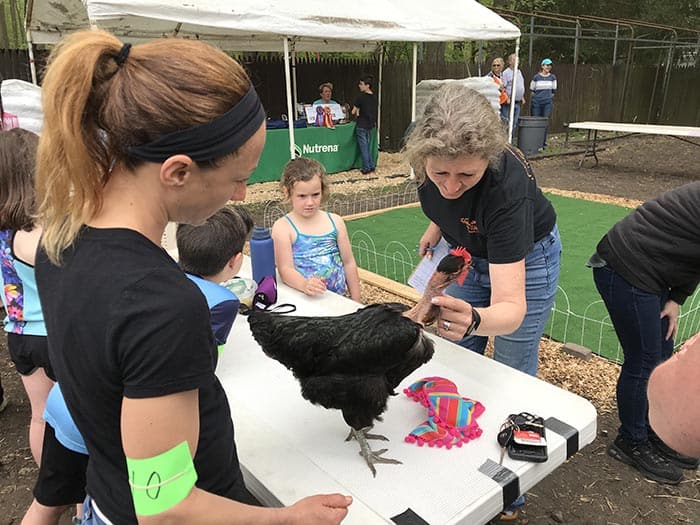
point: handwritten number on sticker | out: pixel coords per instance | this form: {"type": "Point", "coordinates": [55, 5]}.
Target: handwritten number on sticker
{"type": "Point", "coordinates": [153, 479]}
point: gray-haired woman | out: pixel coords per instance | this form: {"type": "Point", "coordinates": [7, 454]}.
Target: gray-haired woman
{"type": "Point", "coordinates": [481, 193]}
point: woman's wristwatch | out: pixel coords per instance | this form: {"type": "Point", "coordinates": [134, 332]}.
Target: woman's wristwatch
{"type": "Point", "coordinates": [476, 321]}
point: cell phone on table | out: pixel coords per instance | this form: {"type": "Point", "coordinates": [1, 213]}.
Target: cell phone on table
{"type": "Point", "coordinates": [529, 441]}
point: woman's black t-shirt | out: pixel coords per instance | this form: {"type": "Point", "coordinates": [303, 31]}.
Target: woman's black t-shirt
{"type": "Point", "coordinates": [124, 321]}
{"type": "Point", "coordinates": [498, 219]}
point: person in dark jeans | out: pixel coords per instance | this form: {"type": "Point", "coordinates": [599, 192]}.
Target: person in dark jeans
{"type": "Point", "coordinates": [644, 268]}
{"type": "Point", "coordinates": [365, 109]}
{"type": "Point", "coordinates": [543, 87]}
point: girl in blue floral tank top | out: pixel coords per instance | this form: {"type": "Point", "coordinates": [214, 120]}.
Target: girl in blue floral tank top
{"type": "Point", "coordinates": [312, 247]}
{"type": "Point", "coordinates": [319, 255]}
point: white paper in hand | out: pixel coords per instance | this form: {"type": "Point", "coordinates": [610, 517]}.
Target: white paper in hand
{"type": "Point", "coordinates": [426, 268]}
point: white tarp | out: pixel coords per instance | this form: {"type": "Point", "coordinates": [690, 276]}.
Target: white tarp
{"type": "Point", "coordinates": [254, 25]}
{"type": "Point", "coordinates": [23, 100]}
{"type": "Point", "coordinates": [486, 86]}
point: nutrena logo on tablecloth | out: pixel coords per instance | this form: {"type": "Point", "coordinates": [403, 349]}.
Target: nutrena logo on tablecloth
{"type": "Point", "coordinates": [319, 148]}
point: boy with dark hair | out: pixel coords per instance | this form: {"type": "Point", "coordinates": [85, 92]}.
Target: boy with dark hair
{"type": "Point", "coordinates": [365, 109]}
{"type": "Point", "coordinates": [212, 253]}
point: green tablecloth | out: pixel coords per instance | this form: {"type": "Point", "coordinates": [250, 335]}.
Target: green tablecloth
{"type": "Point", "coordinates": [335, 148]}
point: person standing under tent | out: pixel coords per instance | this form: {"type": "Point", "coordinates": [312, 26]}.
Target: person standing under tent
{"type": "Point", "coordinates": [325, 92]}
{"type": "Point", "coordinates": [495, 74]}
{"type": "Point", "coordinates": [365, 109]}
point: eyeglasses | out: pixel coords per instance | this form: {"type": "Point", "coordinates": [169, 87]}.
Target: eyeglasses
{"type": "Point", "coordinates": [496, 65]}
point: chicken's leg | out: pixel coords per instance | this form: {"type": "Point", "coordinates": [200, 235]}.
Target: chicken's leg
{"type": "Point", "coordinates": [378, 437]}
{"type": "Point", "coordinates": [371, 456]}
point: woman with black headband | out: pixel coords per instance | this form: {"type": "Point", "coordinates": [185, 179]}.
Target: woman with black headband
{"type": "Point", "coordinates": [134, 138]}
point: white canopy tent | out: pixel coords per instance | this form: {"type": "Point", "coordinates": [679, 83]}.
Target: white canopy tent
{"type": "Point", "coordinates": [249, 25]}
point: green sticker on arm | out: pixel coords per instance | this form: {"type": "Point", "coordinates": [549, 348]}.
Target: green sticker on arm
{"type": "Point", "coordinates": [161, 482]}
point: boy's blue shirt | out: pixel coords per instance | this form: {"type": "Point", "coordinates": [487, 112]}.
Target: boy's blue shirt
{"type": "Point", "coordinates": [223, 306]}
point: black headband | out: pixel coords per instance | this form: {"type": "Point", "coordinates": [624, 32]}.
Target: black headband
{"type": "Point", "coordinates": [123, 54]}
{"type": "Point", "coordinates": [209, 141]}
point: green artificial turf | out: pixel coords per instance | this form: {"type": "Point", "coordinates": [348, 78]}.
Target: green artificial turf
{"type": "Point", "coordinates": [386, 244]}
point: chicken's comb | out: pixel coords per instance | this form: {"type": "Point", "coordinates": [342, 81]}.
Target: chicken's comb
{"type": "Point", "coordinates": [462, 252]}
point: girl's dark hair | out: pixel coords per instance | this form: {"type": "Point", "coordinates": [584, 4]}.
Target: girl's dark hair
{"type": "Point", "coordinates": [17, 166]}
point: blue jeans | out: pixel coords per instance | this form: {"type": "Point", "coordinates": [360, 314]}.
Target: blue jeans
{"type": "Point", "coordinates": [90, 517]}
{"type": "Point", "coordinates": [505, 115]}
{"type": "Point", "coordinates": [541, 109]}
{"type": "Point", "coordinates": [363, 139]}
{"type": "Point", "coordinates": [518, 350]}
{"type": "Point", "coordinates": [635, 314]}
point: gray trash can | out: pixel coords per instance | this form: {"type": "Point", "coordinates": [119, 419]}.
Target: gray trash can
{"type": "Point", "coordinates": [531, 134]}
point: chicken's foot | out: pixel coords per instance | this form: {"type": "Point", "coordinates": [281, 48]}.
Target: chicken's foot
{"type": "Point", "coordinates": [371, 457]}
{"type": "Point", "coordinates": [367, 435]}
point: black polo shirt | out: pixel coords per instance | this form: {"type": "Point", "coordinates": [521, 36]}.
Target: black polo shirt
{"type": "Point", "coordinates": [500, 218]}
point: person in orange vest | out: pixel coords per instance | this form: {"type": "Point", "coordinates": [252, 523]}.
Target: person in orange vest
{"type": "Point", "coordinates": [496, 69]}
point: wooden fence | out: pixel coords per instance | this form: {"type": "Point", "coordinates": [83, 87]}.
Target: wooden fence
{"type": "Point", "coordinates": [596, 93]}
{"type": "Point", "coordinates": [14, 63]}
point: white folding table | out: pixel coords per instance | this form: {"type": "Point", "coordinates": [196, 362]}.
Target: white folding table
{"type": "Point", "coordinates": [289, 448]}
{"type": "Point", "coordinates": [625, 127]}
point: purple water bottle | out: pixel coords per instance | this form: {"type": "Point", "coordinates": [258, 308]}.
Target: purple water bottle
{"type": "Point", "coordinates": [262, 253]}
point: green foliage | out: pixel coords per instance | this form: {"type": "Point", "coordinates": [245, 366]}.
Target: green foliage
{"type": "Point", "coordinates": [678, 13]}
{"type": "Point", "coordinates": [12, 35]}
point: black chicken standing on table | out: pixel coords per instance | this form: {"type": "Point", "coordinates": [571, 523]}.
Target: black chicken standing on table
{"type": "Point", "coordinates": [354, 362]}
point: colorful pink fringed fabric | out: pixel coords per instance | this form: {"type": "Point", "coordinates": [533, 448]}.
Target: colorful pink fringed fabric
{"type": "Point", "coordinates": [451, 418]}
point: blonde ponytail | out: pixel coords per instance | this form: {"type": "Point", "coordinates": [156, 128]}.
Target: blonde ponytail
{"type": "Point", "coordinates": [71, 161]}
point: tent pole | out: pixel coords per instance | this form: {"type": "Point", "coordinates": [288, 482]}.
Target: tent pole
{"type": "Point", "coordinates": [379, 95]}
{"type": "Point", "coordinates": [30, 50]}
{"type": "Point", "coordinates": [30, 44]}
{"type": "Point", "coordinates": [414, 77]}
{"type": "Point", "coordinates": [295, 98]}
{"type": "Point", "coordinates": [512, 92]}
{"type": "Point", "coordinates": [478, 57]}
{"type": "Point", "coordinates": [288, 84]}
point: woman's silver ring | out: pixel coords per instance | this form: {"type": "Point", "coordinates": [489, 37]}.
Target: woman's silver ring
{"type": "Point", "coordinates": [446, 325]}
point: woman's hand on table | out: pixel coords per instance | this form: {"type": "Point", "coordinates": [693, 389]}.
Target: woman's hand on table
{"type": "Point", "coordinates": [322, 509]}
{"type": "Point", "coordinates": [314, 286]}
